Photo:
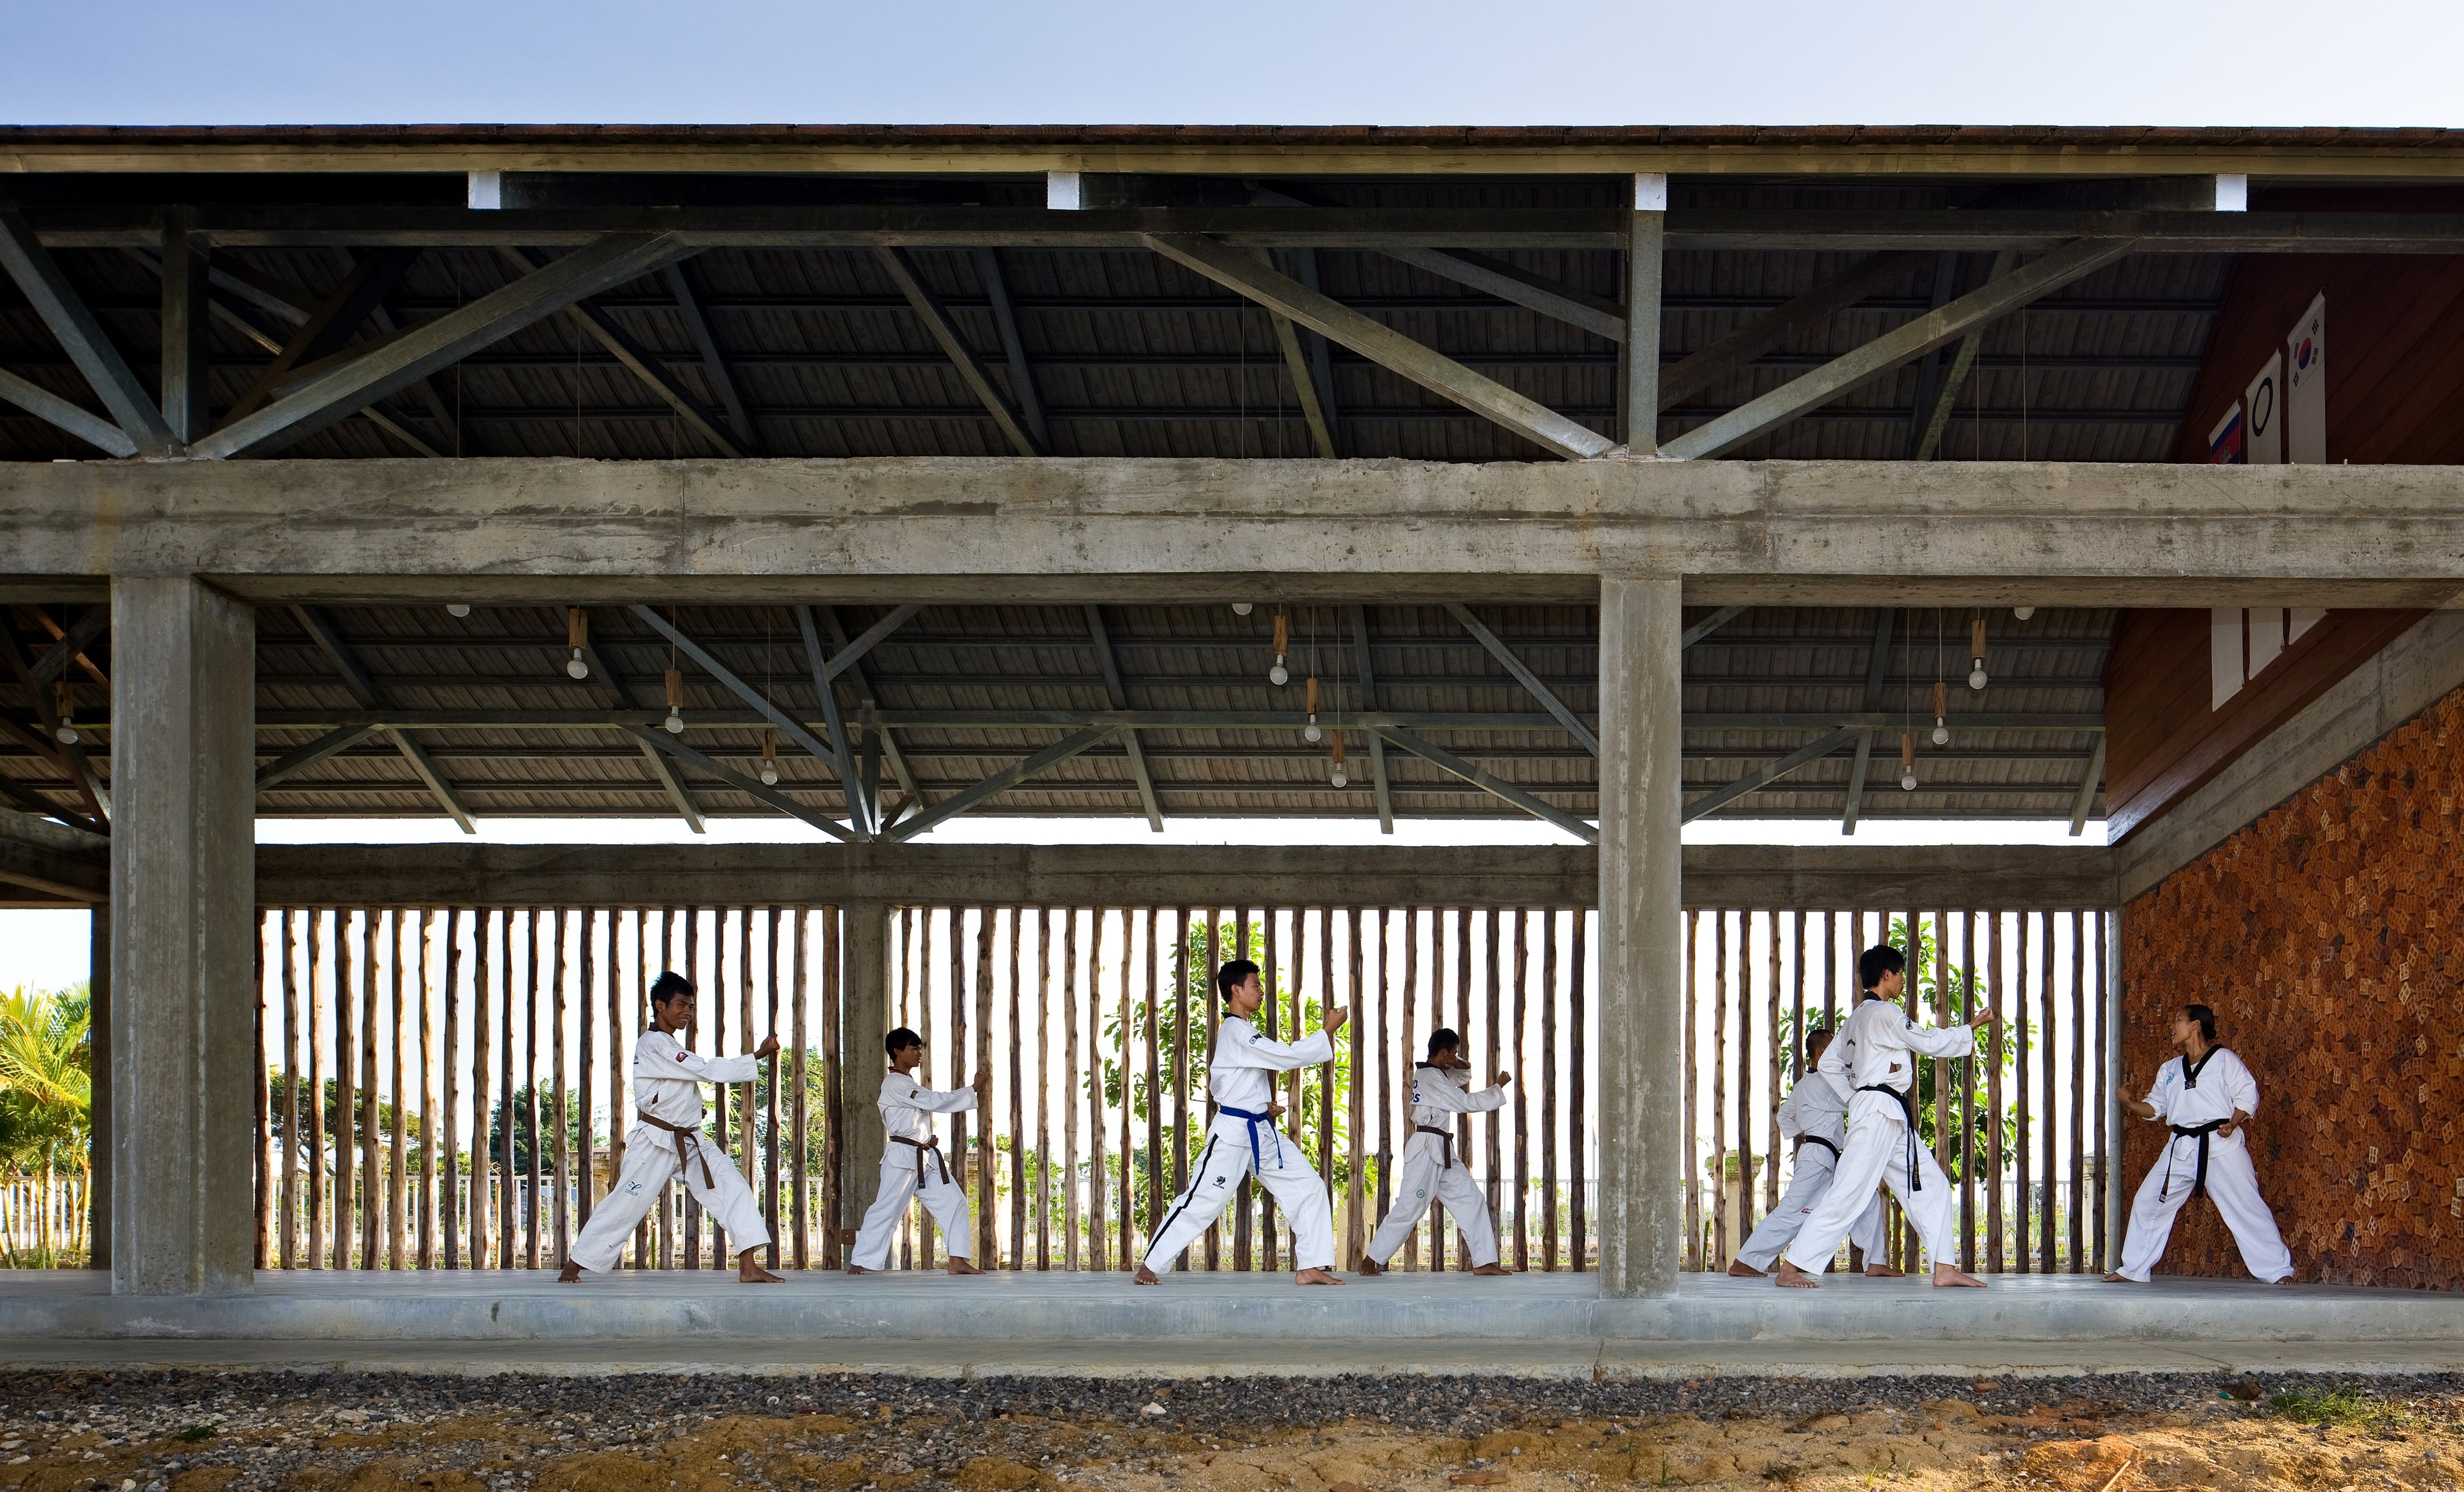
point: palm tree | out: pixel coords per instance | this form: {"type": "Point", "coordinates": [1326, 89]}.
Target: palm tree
{"type": "Point", "coordinates": [46, 1093]}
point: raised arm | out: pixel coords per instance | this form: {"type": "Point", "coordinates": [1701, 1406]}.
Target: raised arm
{"type": "Point", "coordinates": [1256, 1048]}
{"type": "Point", "coordinates": [1939, 1040]}
{"type": "Point", "coordinates": [1446, 1098]}
{"type": "Point", "coordinates": [939, 1101]}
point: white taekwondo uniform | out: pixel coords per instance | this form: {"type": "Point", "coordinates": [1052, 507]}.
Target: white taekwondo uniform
{"type": "Point", "coordinates": [1429, 1168]}
{"type": "Point", "coordinates": [911, 1159]}
{"type": "Point", "coordinates": [1877, 1049]}
{"type": "Point", "coordinates": [1814, 1115]}
{"type": "Point", "coordinates": [2192, 1098]}
{"type": "Point", "coordinates": [667, 1088]}
{"type": "Point", "coordinates": [1241, 1140]}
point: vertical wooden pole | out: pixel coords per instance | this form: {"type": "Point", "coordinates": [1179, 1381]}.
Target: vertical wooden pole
{"type": "Point", "coordinates": [1692, 1102]}
{"type": "Point", "coordinates": [1796, 1003]}
{"type": "Point", "coordinates": [837, 1099]}
{"type": "Point", "coordinates": [689, 1209]}
{"type": "Point", "coordinates": [987, 1220]}
{"type": "Point", "coordinates": [2022, 1194]}
{"type": "Point", "coordinates": [453, 1226]}
{"type": "Point", "coordinates": [1994, 1136]}
{"type": "Point", "coordinates": [1204, 976]}
{"type": "Point", "coordinates": [1384, 1150]}
{"type": "Point", "coordinates": [1271, 980]}
{"type": "Point", "coordinates": [260, 1089]}
{"type": "Point", "coordinates": [1968, 1095]}
{"type": "Point", "coordinates": [428, 1130]}
{"type": "Point", "coordinates": [2080, 1183]}
{"type": "Point", "coordinates": [1399, 1106]}
{"type": "Point", "coordinates": [1324, 1076]}
{"type": "Point", "coordinates": [563, 1105]}
{"type": "Point", "coordinates": [1020, 1189]}
{"type": "Point", "coordinates": [533, 1136]}
{"type": "Point", "coordinates": [2047, 1053]}
{"type": "Point", "coordinates": [798, 1121]}
{"type": "Point", "coordinates": [1042, 1098]}
{"type": "Point", "coordinates": [1072, 1090]}
{"type": "Point", "coordinates": [1129, 1080]}
{"type": "Point", "coordinates": [1154, 1087]}
{"type": "Point", "coordinates": [2098, 1093]}
{"type": "Point", "coordinates": [290, 1096]}
{"type": "Point", "coordinates": [1771, 1067]}
{"type": "Point", "coordinates": [1355, 1233]}
{"type": "Point", "coordinates": [1520, 1093]}
{"type": "Point", "coordinates": [1578, 1099]}
{"type": "Point", "coordinates": [1550, 1056]}
{"type": "Point", "coordinates": [1181, 1015]}
{"type": "Point", "coordinates": [1245, 1197]}
{"type": "Point", "coordinates": [771, 983]}
{"type": "Point", "coordinates": [397, 1133]}
{"type": "Point", "coordinates": [1098, 1195]}
{"type": "Point", "coordinates": [318, 1210]}
{"type": "Point", "coordinates": [617, 1047]}
{"type": "Point", "coordinates": [1490, 957]}
{"type": "Point", "coordinates": [1718, 1258]}
{"type": "Point", "coordinates": [508, 1120]}
{"type": "Point", "coordinates": [1944, 1069]}
{"type": "Point", "coordinates": [372, 1177]}
{"type": "Point", "coordinates": [586, 1104]}
{"type": "Point", "coordinates": [1748, 1050]}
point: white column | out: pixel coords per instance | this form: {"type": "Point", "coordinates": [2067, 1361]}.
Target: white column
{"type": "Point", "coordinates": [1642, 1011]}
{"type": "Point", "coordinates": [182, 889]}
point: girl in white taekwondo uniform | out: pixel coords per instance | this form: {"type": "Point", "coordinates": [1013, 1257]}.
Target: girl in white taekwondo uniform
{"type": "Point", "coordinates": [1814, 1115]}
{"type": "Point", "coordinates": [1875, 1057]}
{"type": "Point", "coordinates": [1242, 1137]}
{"type": "Point", "coordinates": [2206, 1099]}
{"type": "Point", "coordinates": [1429, 1160]}
{"type": "Point", "coordinates": [666, 1099]}
{"type": "Point", "coordinates": [911, 1159]}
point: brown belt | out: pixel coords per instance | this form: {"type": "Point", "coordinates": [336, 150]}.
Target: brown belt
{"type": "Point", "coordinates": [922, 1148]}
{"type": "Point", "coordinates": [687, 1144]}
{"type": "Point", "coordinates": [1448, 1149]}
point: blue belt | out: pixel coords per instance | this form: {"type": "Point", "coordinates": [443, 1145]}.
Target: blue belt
{"type": "Point", "coordinates": [1256, 1162]}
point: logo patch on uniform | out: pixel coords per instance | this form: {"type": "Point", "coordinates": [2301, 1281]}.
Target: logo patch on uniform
{"type": "Point", "coordinates": [1221, 1180]}
{"type": "Point", "coordinates": [632, 1188]}
{"type": "Point", "coordinates": [915, 1093]}
{"type": "Point", "coordinates": [680, 1056]}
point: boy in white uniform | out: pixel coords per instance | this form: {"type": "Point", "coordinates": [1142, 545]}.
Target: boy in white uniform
{"type": "Point", "coordinates": [911, 1160]}
{"type": "Point", "coordinates": [1242, 1137]}
{"type": "Point", "coordinates": [666, 1099]}
{"type": "Point", "coordinates": [1429, 1161]}
{"type": "Point", "coordinates": [1815, 1114]}
{"type": "Point", "coordinates": [1875, 1057]}
{"type": "Point", "coordinates": [2206, 1099]}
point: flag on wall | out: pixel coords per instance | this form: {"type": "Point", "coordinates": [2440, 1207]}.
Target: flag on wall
{"type": "Point", "coordinates": [2263, 428]}
{"type": "Point", "coordinates": [2225, 441]}
{"type": "Point", "coordinates": [2305, 385]}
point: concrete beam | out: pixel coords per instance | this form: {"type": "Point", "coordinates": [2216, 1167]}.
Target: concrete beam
{"type": "Point", "coordinates": [2409, 675]}
{"type": "Point", "coordinates": [62, 864]}
{"type": "Point", "coordinates": [183, 943]}
{"type": "Point", "coordinates": [531, 531]}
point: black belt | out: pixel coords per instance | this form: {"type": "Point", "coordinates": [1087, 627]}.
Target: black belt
{"type": "Point", "coordinates": [922, 1148]}
{"type": "Point", "coordinates": [688, 1145]}
{"type": "Point", "coordinates": [1805, 1140]}
{"type": "Point", "coordinates": [1907, 1106]}
{"type": "Point", "coordinates": [2200, 1133]}
{"type": "Point", "coordinates": [1448, 1136]}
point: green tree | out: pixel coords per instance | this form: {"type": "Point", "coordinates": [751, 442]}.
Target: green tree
{"type": "Point", "coordinates": [46, 1098]}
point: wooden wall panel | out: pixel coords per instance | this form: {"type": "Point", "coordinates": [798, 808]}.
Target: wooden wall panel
{"type": "Point", "coordinates": [2323, 935]}
{"type": "Point", "coordinates": [2162, 739]}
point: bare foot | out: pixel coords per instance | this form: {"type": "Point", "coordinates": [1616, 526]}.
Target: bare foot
{"type": "Point", "coordinates": [1314, 1277]}
{"type": "Point", "coordinates": [1744, 1271]}
{"type": "Point", "coordinates": [960, 1266]}
{"type": "Point", "coordinates": [1369, 1269]}
{"type": "Point", "coordinates": [2288, 1280]}
{"type": "Point", "coordinates": [858, 1269]}
{"type": "Point", "coordinates": [1492, 1269]}
{"type": "Point", "coordinates": [1787, 1276]}
{"type": "Point", "coordinates": [1885, 1272]}
{"type": "Point", "coordinates": [1946, 1276]}
{"type": "Point", "coordinates": [750, 1272]}
{"type": "Point", "coordinates": [1145, 1276]}
{"type": "Point", "coordinates": [570, 1274]}
{"type": "Point", "coordinates": [2119, 1278]}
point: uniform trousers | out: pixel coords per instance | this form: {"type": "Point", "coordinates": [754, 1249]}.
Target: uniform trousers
{"type": "Point", "coordinates": [1280, 1168]}
{"type": "Point", "coordinates": [2233, 1185]}
{"type": "Point", "coordinates": [1808, 1181]}
{"type": "Point", "coordinates": [1425, 1177]}
{"type": "Point", "coordinates": [1876, 1152]}
{"type": "Point", "coordinates": [944, 1198]}
{"type": "Point", "coordinates": [650, 1164]}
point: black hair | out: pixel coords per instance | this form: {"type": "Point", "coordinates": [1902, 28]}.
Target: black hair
{"type": "Point", "coordinates": [667, 986]}
{"type": "Point", "coordinates": [2207, 1019]}
{"type": "Point", "coordinates": [1877, 960]}
{"type": "Point", "coordinates": [1443, 1040]}
{"type": "Point", "coordinates": [1816, 1039]}
{"type": "Point", "coordinates": [899, 1041]}
{"type": "Point", "coordinates": [1231, 975]}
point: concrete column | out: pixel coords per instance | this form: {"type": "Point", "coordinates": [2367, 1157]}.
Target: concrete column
{"type": "Point", "coordinates": [97, 1194]}
{"type": "Point", "coordinates": [1642, 1019]}
{"type": "Point", "coordinates": [183, 915]}
{"type": "Point", "coordinates": [861, 1060]}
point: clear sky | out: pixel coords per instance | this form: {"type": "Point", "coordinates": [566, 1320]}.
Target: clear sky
{"type": "Point", "coordinates": [1270, 62]}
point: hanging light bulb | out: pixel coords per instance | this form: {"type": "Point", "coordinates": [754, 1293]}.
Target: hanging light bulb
{"type": "Point", "coordinates": [1280, 676]}
{"type": "Point", "coordinates": [1242, 609]}
{"type": "Point", "coordinates": [2023, 613]}
{"type": "Point", "coordinates": [675, 721]}
{"type": "Point", "coordinates": [457, 608]}
{"type": "Point", "coordinates": [1941, 713]}
{"type": "Point", "coordinates": [577, 636]}
{"type": "Point", "coordinates": [770, 757]}
{"type": "Point", "coordinates": [1909, 760]}
{"type": "Point", "coordinates": [1976, 652]}
{"type": "Point", "coordinates": [1310, 732]}
{"type": "Point", "coordinates": [66, 733]}
{"type": "Point", "coordinates": [1342, 778]}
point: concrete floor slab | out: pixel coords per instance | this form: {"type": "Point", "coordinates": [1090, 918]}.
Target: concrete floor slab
{"type": "Point", "coordinates": [1198, 1324]}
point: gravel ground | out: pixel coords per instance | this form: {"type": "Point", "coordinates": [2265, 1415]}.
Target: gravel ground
{"type": "Point", "coordinates": [196, 1432]}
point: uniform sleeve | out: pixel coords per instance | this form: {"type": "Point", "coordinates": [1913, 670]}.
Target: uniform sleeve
{"type": "Point", "coordinates": [1834, 1061]}
{"type": "Point", "coordinates": [2160, 1098]}
{"type": "Point", "coordinates": [2242, 1087]}
{"type": "Point", "coordinates": [1444, 1097]}
{"type": "Point", "coordinates": [1790, 1116]}
{"type": "Point", "coordinates": [678, 1063]}
{"type": "Point", "coordinates": [1256, 1049]}
{"type": "Point", "coordinates": [1936, 1040]}
{"type": "Point", "coordinates": [939, 1101]}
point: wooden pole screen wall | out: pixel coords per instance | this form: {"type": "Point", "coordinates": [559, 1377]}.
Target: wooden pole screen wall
{"type": "Point", "coordinates": [442, 1081]}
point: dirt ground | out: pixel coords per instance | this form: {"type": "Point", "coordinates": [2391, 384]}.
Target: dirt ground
{"type": "Point", "coordinates": [199, 1433]}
